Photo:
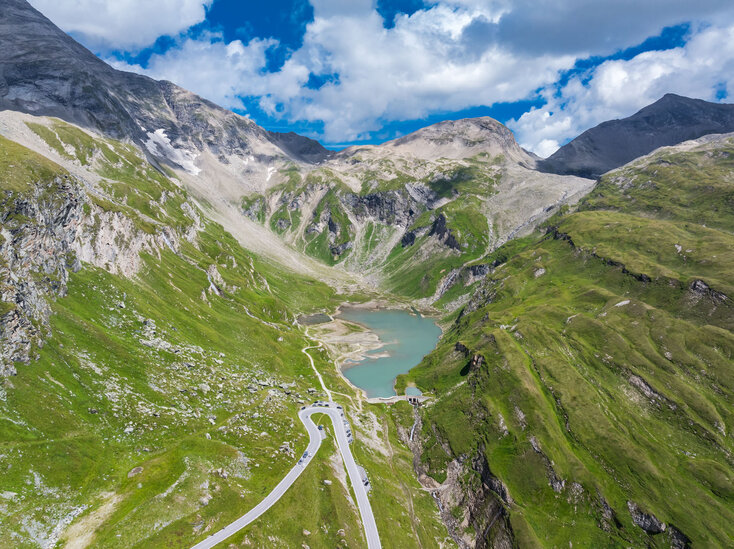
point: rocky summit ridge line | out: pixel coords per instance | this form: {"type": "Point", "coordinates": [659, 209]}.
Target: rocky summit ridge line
{"type": "Point", "coordinates": [669, 121]}
{"type": "Point", "coordinates": [43, 71]}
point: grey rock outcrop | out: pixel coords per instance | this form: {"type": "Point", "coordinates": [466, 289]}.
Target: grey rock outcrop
{"type": "Point", "coordinates": [483, 499]}
{"type": "Point", "coordinates": [678, 540]}
{"type": "Point", "coordinates": [397, 207]}
{"type": "Point", "coordinates": [443, 233]}
{"type": "Point", "coordinates": [48, 233]}
{"type": "Point", "coordinates": [699, 290]}
{"type": "Point", "coordinates": [647, 521]}
{"type": "Point", "coordinates": [36, 255]}
{"type": "Point", "coordinates": [339, 249]}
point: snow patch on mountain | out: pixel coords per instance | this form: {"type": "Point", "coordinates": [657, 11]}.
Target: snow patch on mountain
{"type": "Point", "coordinates": [159, 144]}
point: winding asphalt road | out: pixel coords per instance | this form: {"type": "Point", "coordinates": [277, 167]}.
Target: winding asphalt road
{"type": "Point", "coordinates": [340, 430]}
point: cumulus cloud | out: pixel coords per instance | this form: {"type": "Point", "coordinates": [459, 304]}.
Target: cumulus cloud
{"type": "Point", "coordinates": [218, 71]}
{"type": "Point", "coordinates": [351, 74]}
{"type": "Point", "coordinates": [421, 65]}
{"type": "Point", "coordinates": [427, 62]}
{"type": "Point", "coordinates": [703, 68]}
{"type": "Point", "coordinates": [123, 24]}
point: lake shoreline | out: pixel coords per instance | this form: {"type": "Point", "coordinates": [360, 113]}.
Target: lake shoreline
{"type": "Point", "coordinates": [350, 347]}
{"type": "Point", "coordinates": [403, 334]}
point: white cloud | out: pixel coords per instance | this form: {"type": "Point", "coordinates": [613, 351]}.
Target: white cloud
{"type": "Point", "coordinates": [422, 65]}
{"type": "Point", "coordinates": [210, 67]}
{"type": "Point", "coordinates": [450, 56]}
{"type": "Point", "coordinates": [617, 89]}
{"type": "Point", "coordinates": [123, 23]}
{"type": "Point", "coordinates": [593, 27]}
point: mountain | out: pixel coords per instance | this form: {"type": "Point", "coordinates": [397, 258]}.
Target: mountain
{"type": "Point", "coordinates": [417, 214]}
{"type": "Point", "coordinates": [151, 366]}
{"type": "Point", "coordinates": [588, 381]}
{"type": "Point", "coordinates": [43, 71]}
{"type": "Point", "coordinates": [158, 255]}
{"type": "Point", "coordinates": [670, 120]}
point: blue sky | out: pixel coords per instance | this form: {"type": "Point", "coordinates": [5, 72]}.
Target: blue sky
{"type": "Point", "coordinates": [361, 71]}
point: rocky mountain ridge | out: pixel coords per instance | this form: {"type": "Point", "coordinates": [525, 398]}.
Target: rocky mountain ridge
{"type": "Point", "coordinates": [437, 199]}
{"type": "Point", "coordinates": [670, 120]}
{"type": "Point", "coordinates": [354, 207]}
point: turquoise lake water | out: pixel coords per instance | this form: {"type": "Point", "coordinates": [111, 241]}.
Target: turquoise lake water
{"type": "Point", "coordinates": [406, 337]}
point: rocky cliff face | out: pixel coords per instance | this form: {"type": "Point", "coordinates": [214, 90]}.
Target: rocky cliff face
{"type": "Point", "coordinates": [457, 139]}
{"type": "Point", "coordinates": [471, 500]}
{"type": "Point", "coordinates": [52, 224]}
{"type": "Point", "coordinates": [37, 251]}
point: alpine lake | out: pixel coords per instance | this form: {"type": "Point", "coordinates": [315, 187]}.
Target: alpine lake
{"type": "Point", "coordinates": [406, 338]}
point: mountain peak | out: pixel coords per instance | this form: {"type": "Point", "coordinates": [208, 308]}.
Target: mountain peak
{"type": "Point", "coordinates": [300, 147]}
{"type": "Point", "coordinates": [43, 71]}
{"type": "Point", "coordinates": [674, 97]}
{"type": "Point", "coordinates": [675, 101]}
{"type": "Point", "coordinates": [461, 138]}
{"type": "Point", "coordinates": [670, 120]}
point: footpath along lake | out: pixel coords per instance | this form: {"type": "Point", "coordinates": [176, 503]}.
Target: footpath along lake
{"type": "Point", "coordinates": [406, 339]}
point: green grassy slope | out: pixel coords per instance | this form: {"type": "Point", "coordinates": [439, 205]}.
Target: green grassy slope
{"type": "Point", "coordinates": [159, 406]}
{"type": "Point", "coordinates": [415, 271]}
{"type": "Point", "coordinates": [593, 370]}
{"type": "Point", "coordinates": [158, 372]}
{"type": "Point", "coordinates": [607, 365]}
